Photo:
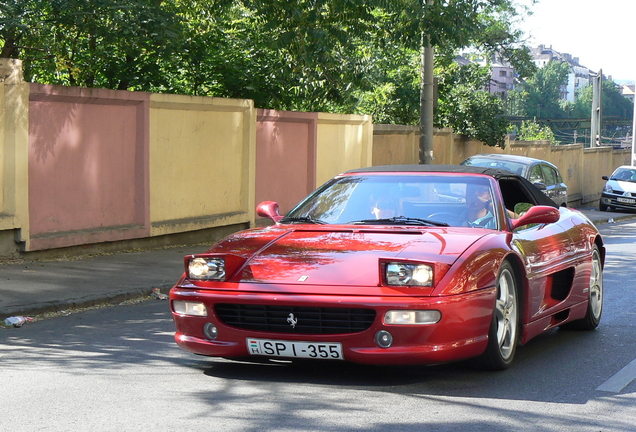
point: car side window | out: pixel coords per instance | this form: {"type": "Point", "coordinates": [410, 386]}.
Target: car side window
{"type": "Point", "coordinates": [536, 175]}
{"type": "Point", "coordinates": [513, 194]}
{"type": "Point", "coordinates": [549, 174]}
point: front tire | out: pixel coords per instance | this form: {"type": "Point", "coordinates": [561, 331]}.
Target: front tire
{"type": "Point", "coordinates": [503, 336]}
{"type": "Point", "coordinates": [603, 207]}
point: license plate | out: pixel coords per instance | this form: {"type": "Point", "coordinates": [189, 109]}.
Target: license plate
{"type": "Point", "coordinates": [279, 348]}
{"type": "Point", "coordinates": [626, 200]}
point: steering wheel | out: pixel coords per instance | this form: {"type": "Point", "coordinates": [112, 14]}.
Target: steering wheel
{"type": "Point", "coordinates": [448, 217]}
{"type": "Point", "coordinates": [441, 214]}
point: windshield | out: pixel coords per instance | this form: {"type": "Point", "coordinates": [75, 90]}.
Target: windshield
{"type": "Point", "coordinates": [428, 200]}
{"type": "Point", "coordinates": [625, 174]}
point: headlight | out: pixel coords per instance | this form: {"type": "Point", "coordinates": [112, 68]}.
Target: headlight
{"type": "Point", "coordinates": [405, 274]}
{"type": "Point", "coordinates": [189, 308]}
{"type": "Point", "coordinates": [412, 317]}
{"type": "Point", "coordinates": [206, 269]}
{"type": "Point", "coordinates": [607, 188]}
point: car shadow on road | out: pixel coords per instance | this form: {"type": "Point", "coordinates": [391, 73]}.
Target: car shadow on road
{"type": "Point", "coordinates": [531, 377]}
{"type": "Point", "coordinates": [560, 367]}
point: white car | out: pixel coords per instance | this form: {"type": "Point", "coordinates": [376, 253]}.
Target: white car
{"type": "Point", "coordinates": [619, 191]}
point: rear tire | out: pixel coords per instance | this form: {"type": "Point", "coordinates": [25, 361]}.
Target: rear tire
{"type": "Point", "coordinates": [592, 318]}
{"type": "Point", "coordinates": [503, 336]}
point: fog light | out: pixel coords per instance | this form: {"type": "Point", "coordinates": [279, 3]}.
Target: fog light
{"type": "Point", "coordinates": [421, 317]}
{"type": "Point", "coordinates": [189, 308]}
{"type": "Point", "coordinates": [384, 339]}
{"type": "Point", "coordinates": [210, 331]}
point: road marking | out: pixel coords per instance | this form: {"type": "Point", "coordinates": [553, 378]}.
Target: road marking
{"type": "Point", "coordinates": [620, 380]}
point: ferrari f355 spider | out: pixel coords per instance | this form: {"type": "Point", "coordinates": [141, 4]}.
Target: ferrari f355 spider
{"type": "Point", "coordinates": [396, 265]}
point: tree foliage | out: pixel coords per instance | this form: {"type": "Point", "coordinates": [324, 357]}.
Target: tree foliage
{"type": "Point", "coordinates": [467, 109]}
{"type": "Point", "coordinates": [391, 94]}
{"type": "Point", "coordinates": [20, 22]}
{"type": "Point", "coordinates": [544, 91]}
{"type": "Point", "coordinates": [356, 56]}
{"type": "Point", "coordinates": [91, 43]}
{"type": "Point", "coordinates": [613, 102]}
{"type": "Point", "coordinates": [533, 131]}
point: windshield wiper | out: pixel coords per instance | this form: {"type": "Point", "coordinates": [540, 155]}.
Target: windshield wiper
{"type": "Point", "coordinates": [399, 220]}
{"type": "Point", "coordinates": [302, 219]}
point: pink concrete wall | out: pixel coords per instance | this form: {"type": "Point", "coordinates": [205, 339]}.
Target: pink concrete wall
{"type": "Point", "coordinates": [89, 161]}
{"type": "Point", "coordinates": [285, 156]}
{"type": "Point", "coordinates": [88, 166]}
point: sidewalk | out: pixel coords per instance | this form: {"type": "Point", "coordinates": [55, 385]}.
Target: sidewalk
{"type": "Point", "coordinates": [598, 217]}
{"type": "Point", "coordinates": [35, 287]}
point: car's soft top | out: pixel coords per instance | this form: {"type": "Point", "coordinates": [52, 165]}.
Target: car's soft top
{"type": "Point", "coordinates": [496, 173]}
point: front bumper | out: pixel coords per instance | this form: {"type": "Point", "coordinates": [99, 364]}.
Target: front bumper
{"type": "Point", "coordinates": [461, 333]}
{"type": "Point", "coordinates": [618, 201]}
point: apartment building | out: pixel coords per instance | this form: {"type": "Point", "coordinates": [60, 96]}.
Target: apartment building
{"type": "Point", "coordinates": [628, 91]}
{"type": "Point", "coordinates": [579, 76]}
{"type": "Point", "coordinates": [503, 76]}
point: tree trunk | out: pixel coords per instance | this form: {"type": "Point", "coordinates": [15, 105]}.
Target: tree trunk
{"type": "Point", "coordinates": [9, 50]}
{"type": "Point", "coordinates": [426, 102]}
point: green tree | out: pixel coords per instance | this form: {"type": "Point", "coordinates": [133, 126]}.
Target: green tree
{"type": "Point", "coordinates": [319, 50]}
{"type": "Point", "coordinates": [392, 92]}
{"type": "Point", "coordinates": [319, 55]}
{"type": "Point", "coordinates": [533, 131]}
{"type": "Point", "coordinates": [221, 54]}
{"type": "Point", "coordinates": [91, 43]}
{"type": "Point", "coordinates": [450, 25]}
{"type": "Point", "coordinates": [614, 104]}
{"type": "Point", "coordinates": [467, 108]}
{"type": "Point", "coordinates": [544, 91]}
{"type": "Point", "coordinates": [515, 103]}
{"type": "Point", "coordinates": [20, 19]}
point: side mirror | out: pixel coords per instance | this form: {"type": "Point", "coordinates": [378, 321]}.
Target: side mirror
{"type": "Point", "coordinates": [539, 185]}
{"type": "Point", "coordinates": [605, 178]}
{"type": "Point", "coordinates": [269, 209]}
{"type": "Point", "coordinates": [537, 215]}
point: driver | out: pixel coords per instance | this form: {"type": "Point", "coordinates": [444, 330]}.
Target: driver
{"type": "Point", "coordinates": [478, 205]}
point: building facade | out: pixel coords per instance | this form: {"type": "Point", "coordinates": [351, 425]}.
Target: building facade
{"type": "Point", "coordinates": [579, 76]}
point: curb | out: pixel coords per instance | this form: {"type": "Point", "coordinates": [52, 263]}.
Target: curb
{"type": "Point", "coordinates": [606, 217]}
{"type": "Point", "coordinates": [58, 306]}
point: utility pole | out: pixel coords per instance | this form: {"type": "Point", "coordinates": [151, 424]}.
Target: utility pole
{"type": "Point", "coordinates": [597, 112]}
{"type": "Point", "coordinates": [634, 134]}
{"type": "Point", "coordinates": [426, 98]}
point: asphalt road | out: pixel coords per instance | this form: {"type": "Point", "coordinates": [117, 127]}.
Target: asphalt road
{"type": "Point", "coordinates": [118, 369]}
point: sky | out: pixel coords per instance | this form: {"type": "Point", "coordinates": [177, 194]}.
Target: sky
{"type": "Point", "coordinates": [602, 34]}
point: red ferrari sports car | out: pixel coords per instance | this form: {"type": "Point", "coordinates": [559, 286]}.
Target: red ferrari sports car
{"type": "Point", "coordinates": [395, 265]}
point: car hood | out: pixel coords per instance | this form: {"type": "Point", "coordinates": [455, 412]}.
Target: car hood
{"type": "Point", "coordinates": [625, 186]}
{"type": "Point", "coordinates": [347, 257]}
